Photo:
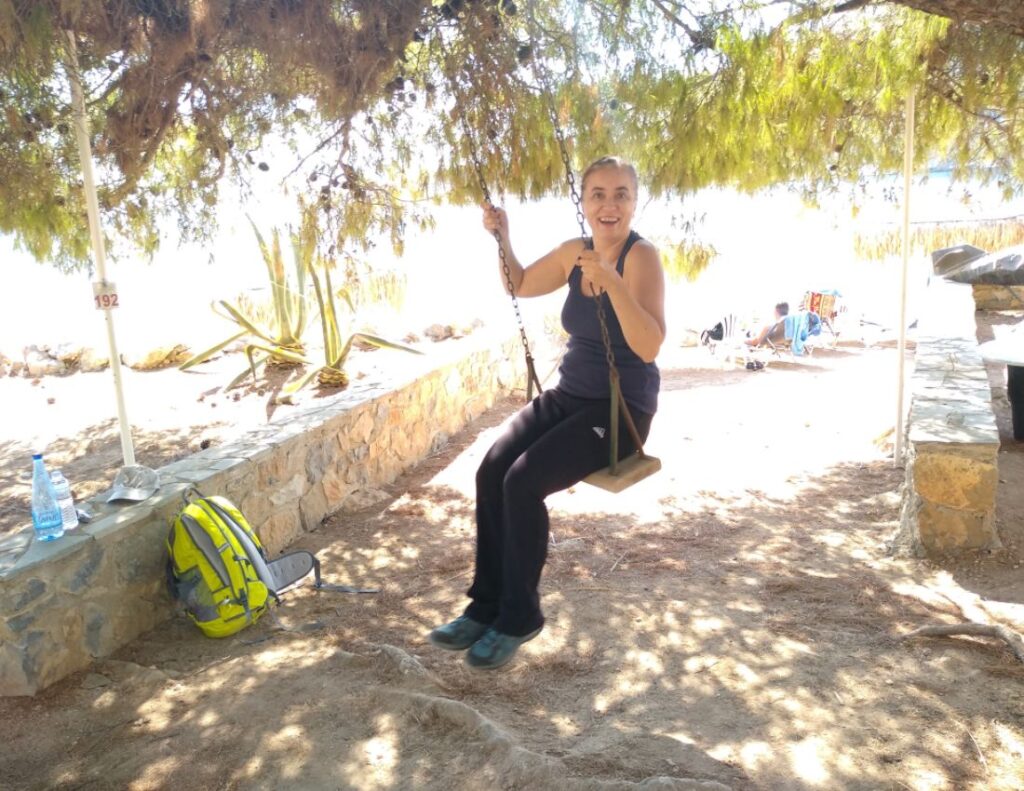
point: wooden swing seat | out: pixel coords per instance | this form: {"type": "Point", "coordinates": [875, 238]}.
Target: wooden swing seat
{"type": "Point", "coordinates": [628, 471]}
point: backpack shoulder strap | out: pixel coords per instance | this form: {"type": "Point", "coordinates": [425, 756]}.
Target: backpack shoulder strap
{"type": "Point", "coordinates": [204, 544]}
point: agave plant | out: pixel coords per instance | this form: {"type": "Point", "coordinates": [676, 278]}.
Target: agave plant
{"type": "Point", "coordinates": [332, 372]}
{"type": "Point", "coordinates": [281, 344]}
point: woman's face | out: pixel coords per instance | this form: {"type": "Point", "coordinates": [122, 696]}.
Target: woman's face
{"type": "Point", "coordinates": [609, 202]}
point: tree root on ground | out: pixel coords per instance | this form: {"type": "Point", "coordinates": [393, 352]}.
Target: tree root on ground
{"type": "Point", "coordinates": [1007, 635]}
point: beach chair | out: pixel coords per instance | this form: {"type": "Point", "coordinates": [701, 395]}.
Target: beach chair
{"type": "Point", "coordinates": [731, 346]}
{"type": "Point", "coordinates": [798, 333]}
{"type": "Point", "coordinates": [826, 305]}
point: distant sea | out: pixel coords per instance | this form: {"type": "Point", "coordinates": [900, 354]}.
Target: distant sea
{"type": "Point", "coordinates": [770, 246]}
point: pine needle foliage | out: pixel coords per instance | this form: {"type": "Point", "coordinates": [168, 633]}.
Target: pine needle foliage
{"type": "Point", "coordinates": [188, 98]}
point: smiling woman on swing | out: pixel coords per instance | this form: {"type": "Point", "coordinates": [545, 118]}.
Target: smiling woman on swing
{"type": "Point", "coordinates": [563, 435]}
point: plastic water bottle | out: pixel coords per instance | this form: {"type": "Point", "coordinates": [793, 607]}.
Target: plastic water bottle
{"type": "Point", "coordinates": [46, 518]}
{"type": "Point", "coordinates": [64, 499]}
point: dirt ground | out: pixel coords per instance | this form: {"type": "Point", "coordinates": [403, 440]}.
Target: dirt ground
{"type": "Point", "coordinates": [732, 622]}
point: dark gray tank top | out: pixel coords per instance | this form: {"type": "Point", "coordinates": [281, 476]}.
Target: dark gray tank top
{"type": "Point", "coordinates": [584, 369]}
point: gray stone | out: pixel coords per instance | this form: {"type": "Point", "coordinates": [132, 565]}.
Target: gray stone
{"type": "Point", "coordinates": [68, 353]}
{"type": "Point", "coordinates": [364, 498]}
{"type": "Point", "coordinates": [12, 547]}
{"type": "Point", "coordinates": [86, 569]}
{"type": "Point", "coordinates": [938, 422]}
{"type": "Point", "coordinates": [43, 553]}
{"type": "Point", "coordinates": [19, 623]}
{"type": "Point", "coordinates": [38, 363]}
{"type": "Point", "coordinates": [17, 598]}
{"type": "Point", "coordinates": [97, 633]}
{"type": "Point", "coordinates": [14, 677]}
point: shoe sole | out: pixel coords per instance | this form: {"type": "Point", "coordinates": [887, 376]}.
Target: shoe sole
{"type": "Point", "coordinates": [450, 646]}
{"type": "Point", "coordinates": [510, 657]}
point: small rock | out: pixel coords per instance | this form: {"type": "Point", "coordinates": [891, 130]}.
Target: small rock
{"type": "Point", "coordinates": [439, 332]}
{"type": "Point", "coordinates": [161, 357]}
{"type": "Point", "coordinates": [95, 681]}
{"type": "Point", "coordinates": [38, 362]}
{"type": "Point", "coordinates": [91, 360]}
{"type": "Point", "coordinates": [69, 354]}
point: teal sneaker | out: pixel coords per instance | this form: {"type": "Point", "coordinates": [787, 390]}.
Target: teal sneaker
{"type": "Point", "coordinates": [458, 634]}
{"type": "Point", "coordinates": [495, 649]}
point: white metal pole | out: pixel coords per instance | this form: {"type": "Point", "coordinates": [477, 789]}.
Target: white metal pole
{"type": "Point", "coordinates": [99, 253]}
{"type": "Point", "coordinates": [908, 168]}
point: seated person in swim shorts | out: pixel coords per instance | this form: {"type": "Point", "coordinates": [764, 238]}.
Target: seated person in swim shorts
{"type": "Point", "coordinates": [775, 331]}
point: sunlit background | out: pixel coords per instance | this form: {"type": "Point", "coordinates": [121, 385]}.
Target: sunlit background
{"type": "Point", "coordinates": [770, 247]}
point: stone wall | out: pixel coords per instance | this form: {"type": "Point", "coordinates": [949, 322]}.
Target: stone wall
{"type": "Point", "coordinates": [66, 602]}
{"type": "Point", "coordinates": [998, 297]}
{"type": "Point", "coordinates": [952, 439]}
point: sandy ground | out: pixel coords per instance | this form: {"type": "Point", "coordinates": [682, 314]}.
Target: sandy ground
{"type": "Point", "coordinates": [731, 622]}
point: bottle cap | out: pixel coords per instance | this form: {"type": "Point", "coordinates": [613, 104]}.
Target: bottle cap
{"type": "Point", "coordinates": [36, 456]}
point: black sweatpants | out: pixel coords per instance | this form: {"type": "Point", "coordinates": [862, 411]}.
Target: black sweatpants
{"type": "Point", "coordinates": [554, 442]}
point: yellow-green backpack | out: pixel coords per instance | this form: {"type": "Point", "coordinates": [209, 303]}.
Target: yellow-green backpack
{"type": "Point", "coordinates": [219, 571]}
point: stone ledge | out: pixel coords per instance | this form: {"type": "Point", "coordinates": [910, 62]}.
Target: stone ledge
{"type": "Point", "coordinates": [952, 436]}
{"type": "Point", "coordinates": [65, 602]}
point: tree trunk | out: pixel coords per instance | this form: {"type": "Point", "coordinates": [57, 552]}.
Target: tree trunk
{"type": "Point", "coordinates": [1006, 15]}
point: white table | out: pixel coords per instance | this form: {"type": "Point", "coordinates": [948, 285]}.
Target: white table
{"type": "Point", "coordinates": [1009, 350]}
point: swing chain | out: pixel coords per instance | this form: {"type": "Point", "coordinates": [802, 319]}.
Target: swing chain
{"type": "Point", "coordinates": [478, 168]}
{"type": "Point", "coordinates": [615, 393]}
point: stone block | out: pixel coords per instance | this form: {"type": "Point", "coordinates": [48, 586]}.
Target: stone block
{"type": "Point", "coordinates": [255, 506]}
{"type": "Point", "coordinates": [280, 528]}
{"type": "Point", "coordinates": [14, 675]}
{"type": "Point", "coordinates": [239, 482]}
{"type": "Point", "coordinates": [313, 507]}
{"type": "Point", "coordinates": [992, 297]}
{"type": "Point", "coordinates": [113, 617]}
{"type": "Point", "coordinates": [943, 530]}
{"type": "Point", "coordinates": [19, 594]}
{"type": "Point", "coordinates": [956, 481]}
{"type": "Point", "coordinates": [336, 488]}
{"type": "Point", "coordinates": [134, 556]}
{"type": "Point", "coordinates": [290, 491]}
{"type": "Point", "coordinates": [320, 457]}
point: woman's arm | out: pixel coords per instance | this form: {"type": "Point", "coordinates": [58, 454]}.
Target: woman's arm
{"type": "Point", "coordinates": [638, 298]}
{"type": "Point", "coordinates": [548, 273]}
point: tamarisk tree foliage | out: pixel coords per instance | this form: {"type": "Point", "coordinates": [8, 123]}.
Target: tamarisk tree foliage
{"type": "Point", "coordinates": [383, 105]}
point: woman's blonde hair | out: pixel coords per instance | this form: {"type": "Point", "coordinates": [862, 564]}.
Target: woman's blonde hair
{"type": "Point", "coordinates": [611, 162]}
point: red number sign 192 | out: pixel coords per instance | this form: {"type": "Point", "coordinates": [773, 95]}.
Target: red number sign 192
{"type": "Point", "coordinates": [104, 294]}
{"type": "Point", "coordinates": [106, 300]}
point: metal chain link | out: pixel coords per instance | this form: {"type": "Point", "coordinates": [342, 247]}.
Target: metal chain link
{"type": "Point", "coordinates": [478, 168]}
{"type": "Point", "coordinates": [541, 75]}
